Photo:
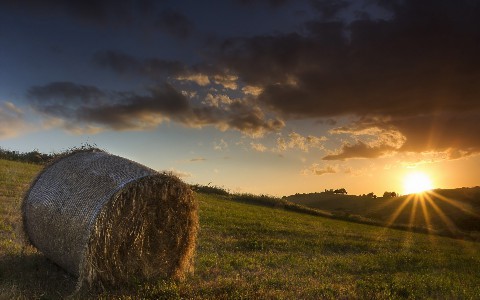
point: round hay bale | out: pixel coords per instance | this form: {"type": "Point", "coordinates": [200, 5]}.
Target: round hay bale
{"type": "Point", "coordinates": [108, 220]}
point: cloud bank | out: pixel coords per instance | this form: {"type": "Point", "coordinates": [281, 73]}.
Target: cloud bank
{"type": "Point", "coordinates": [415, 72]}
{"type": "Point", "coordinates": [81, 108]}
{"type": "Point", "coordinates": [406, 72]}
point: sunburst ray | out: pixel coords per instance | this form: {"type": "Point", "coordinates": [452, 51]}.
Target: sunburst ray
{"type": "Point", "coordinates": [448, 222]}
{"type": "Point", "coordinates": [467, 209]}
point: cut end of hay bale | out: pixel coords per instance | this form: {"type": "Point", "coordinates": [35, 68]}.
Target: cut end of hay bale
{"type": "Point", "coordinates": [148, 230]}
{"type": "Point", "coordinates": [110, 221]}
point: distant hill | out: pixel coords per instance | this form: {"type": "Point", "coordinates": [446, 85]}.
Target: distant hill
{"type": "Point", "coordinates": [449, 211]}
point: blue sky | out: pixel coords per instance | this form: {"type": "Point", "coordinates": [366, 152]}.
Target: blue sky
{"type": "Point", "coordinates": [271, 96]}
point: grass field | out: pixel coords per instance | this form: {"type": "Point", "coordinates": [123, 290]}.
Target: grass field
{"type": "Point", "coordinates": [454, 212]}
{"type": "Point", "coordinates": [253, 252]}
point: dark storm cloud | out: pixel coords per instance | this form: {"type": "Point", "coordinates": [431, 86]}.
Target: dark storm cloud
{"type": "Point", "coordinates": [422, 65]}
{"type": "Point", "coordinates": [174, 23]}
{"type": "Point", "coordinates": [65, 93]}
{"type": "Point", "coordinates": [58, 98]}
{"type": "Point", "coordinates": [94, 11]}
{"type": "Point", "coordinates": [273, 3]}
{"type": "Point", "coordinates": [241, 115]}
{"type": "Point", "coordinates": [159, 69]}
{"type": "Point", "coordinates": [412, 69]}
{"type": "Point", "coordinates": [442, 131]}
{"type": "Point", "coordinates": [329, 8]}
{"type": "Point", "coordinates": [80, 107]}
{"type": "Point", "coordinates": [136, 111]}
{"type": "Point", "coordinates": [118, 62]}
{"type": "Point", "coordinates": [125, 64]}
{"type": "Point", "coordinates": [120, 111]}
{"type": "Point", "coordinates": [451, 133]}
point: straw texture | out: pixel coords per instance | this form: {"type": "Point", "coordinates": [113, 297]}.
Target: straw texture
{"type": "Point", "coordinates": [108, 220]}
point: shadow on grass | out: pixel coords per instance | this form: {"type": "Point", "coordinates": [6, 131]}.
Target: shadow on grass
{"type": "Point", "coordinates": [32, 276]}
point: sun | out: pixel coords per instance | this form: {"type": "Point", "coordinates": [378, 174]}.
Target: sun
{"type": "Point", "coordinates": [416, 182]}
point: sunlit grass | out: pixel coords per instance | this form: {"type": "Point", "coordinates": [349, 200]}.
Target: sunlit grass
{"type": "Point", "coordinates": [453, 212]}
{"type": "Point", "coordinates": [446, 220]}
{"type": "Point", "coordinates": [426, 215]}
{"type": "Point", "coordinates": [429, 202]}
{"type": "Point", "coordinates": [467, 209]}
{"type": "Point", "coordinates": [398, 211]}
{"type": "Point", "coordinates": [425, 199]}
{"type": "Point", "coordinates": [413, 212]}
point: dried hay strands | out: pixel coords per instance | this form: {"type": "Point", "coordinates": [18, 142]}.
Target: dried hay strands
{"type": "Point", "coordinates": [109, 221]}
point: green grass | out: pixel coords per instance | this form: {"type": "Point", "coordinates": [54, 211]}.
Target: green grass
{"type": "Point", "coordinates": [255, 252]}
{"type": "Point", "coordinates": [15, 178]}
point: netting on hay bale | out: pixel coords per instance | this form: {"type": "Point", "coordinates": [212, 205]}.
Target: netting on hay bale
{"type": "Point", "coordinates": [108, 220]}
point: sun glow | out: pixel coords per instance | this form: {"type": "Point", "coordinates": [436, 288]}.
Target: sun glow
{"type": "Point", "coordinates": [416, 183]}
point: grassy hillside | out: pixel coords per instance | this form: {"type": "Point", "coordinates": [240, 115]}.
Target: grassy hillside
{"type": "Point", "coordinates": [15, 178]}
{"type": "Point", "coordinates": [254, 252]}
{"type": "Point", "coordinates": [453, 212]}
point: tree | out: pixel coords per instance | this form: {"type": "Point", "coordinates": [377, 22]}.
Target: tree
{"type": "Point", "coordinates": [389, 195]}
{"type": "Point", "coordinates": [371, 195]}
{"type": "Point", "coordinates": [342, 191]}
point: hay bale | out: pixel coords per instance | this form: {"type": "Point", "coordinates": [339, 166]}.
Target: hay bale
{"type": "Point", "coordinates": [108, 220]}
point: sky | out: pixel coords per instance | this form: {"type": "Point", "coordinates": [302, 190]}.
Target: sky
{"type": "Point", "coordinates": [267, 97]}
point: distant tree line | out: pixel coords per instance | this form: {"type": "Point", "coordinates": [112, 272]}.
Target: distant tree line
{"type": "Point", "coordinates": [369, 195]}
{"type": "Point", "coordinates": [385, 195]}
{"type": "Point", "coordinates": [34, 157]}
{"type": "Point", "coordinates": [342, 191]}
{"type": "Point", "coordinates": [389, 194]}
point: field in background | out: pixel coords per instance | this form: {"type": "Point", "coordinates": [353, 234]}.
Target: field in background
{"type": "Point", "coordinates": [252, 251]}
{"type": "Point", "coordinates": [452, 212]}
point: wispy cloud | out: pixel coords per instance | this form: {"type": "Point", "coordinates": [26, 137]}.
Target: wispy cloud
{"type": "Point", "coordinates": [252, 90]}
{"type": "Point", "coordinates": [295, 140]}
{"type": "Point", "coordinates": [217, 100]}
{"type": "Point", "coordinates": [258, 147]}
{"type": "Point", "coordinates": [197, 159]}
{"type": "Point", "coordinates": [359, 150]}
{"type": "Point", "coordinates": [12, 121]}
{"type": "Point", "coordinates": [226, 80]}
{"type": "Point", "coordinates": [371, 141]}
{"type": "Point", "coordinates": [316, 169]}
{"type": "Point", "coordinates": [221, 145]}
{"type": "Point", "coordinates": [198, 78]}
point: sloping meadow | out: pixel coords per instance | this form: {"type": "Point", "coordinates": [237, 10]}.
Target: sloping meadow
{"type": "Point", "coordinates": [249, 251]}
